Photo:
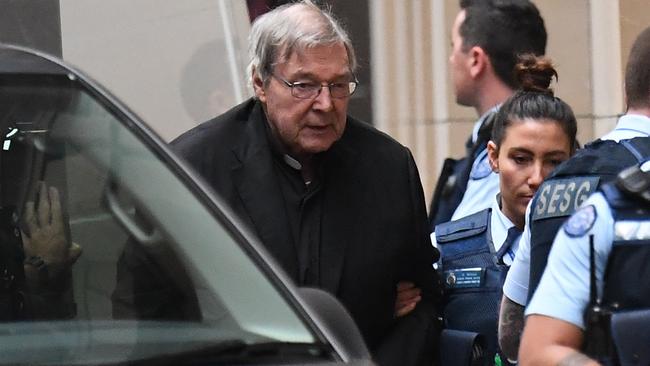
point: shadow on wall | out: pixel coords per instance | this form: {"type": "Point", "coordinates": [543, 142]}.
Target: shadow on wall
{"type": "Point", "coordinates": [206, 87]}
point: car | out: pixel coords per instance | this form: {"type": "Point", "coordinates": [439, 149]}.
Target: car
{"type": "Point", "coordinates": [121, 187]}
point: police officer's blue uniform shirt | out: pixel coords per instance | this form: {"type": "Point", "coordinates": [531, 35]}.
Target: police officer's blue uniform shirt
{"type": "Point", "coordinates": [516, 286]}
{"type": "Point", "coordinates": [563, 292]}
{"type": "Point", "coordinates": [499, 225]}
{"type": "Point", "coordinates": [628, 127]}
{"type": "Point", "coordinates": [482, 183]}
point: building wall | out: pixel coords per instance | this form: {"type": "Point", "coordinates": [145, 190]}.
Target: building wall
{"type": "Point", "coordinates": [175, 63]}
{"type": "Point", "coordinates": [635, 17]}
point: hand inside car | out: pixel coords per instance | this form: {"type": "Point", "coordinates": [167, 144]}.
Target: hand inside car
{"type": "Point", "coordinates": [407, 298]}
{"type": "Point", "coordinates": [45, 236]}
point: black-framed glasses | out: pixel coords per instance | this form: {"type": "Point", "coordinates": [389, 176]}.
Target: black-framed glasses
{"type": "Point", "coordinates": [306, 90]}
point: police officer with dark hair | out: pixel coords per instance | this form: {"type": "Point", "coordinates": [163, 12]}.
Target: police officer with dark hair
{"type": "Point", "coordinates": [487, 37]}
{"type": "Point", "coordinates": [533, 132]}
{"type": "Point", "coordinates": [570, 185]}
{"type": "Point", "coordinates": [595, 293]}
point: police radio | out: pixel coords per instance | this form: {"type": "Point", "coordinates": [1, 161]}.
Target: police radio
{"type": "Point", "coordinates": [598, 342]}
{"type": "Point", "coordinates": [635, 181]}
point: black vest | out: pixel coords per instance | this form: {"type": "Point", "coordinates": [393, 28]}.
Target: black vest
{"type": "Point", "coordinates": [627, 275]}
{"type": "Point", "coordinates": [473, 277]}
{"type": "Point", "coordinates": [568, 186]}
{"type": "Point", "coordinates": [626, 292]}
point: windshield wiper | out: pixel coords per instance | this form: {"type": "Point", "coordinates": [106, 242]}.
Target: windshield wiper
{"type": "Point", "coordinates": [239, 352]}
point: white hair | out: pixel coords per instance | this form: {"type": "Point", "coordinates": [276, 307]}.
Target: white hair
{"type": "Point", "coordinates": [276, 35]}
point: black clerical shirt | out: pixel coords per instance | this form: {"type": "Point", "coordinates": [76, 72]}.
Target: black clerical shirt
{"type": "Point", "coordinates": [303, 204]}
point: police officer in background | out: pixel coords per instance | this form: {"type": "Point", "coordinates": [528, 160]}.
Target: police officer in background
{"type": "Point", "coordinates": [595, 293]}
{"type": "Point", "coordinates": [570, 185]}
{"type": "Point", "coordinates": [487, 37]}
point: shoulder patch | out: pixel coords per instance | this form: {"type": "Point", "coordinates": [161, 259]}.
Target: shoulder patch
{"type": "Point", "coordinates": [561, 197]}
{"type": "Point", "coordinates": [481, 167]}
{"type": "Point", "coordinates": [463, 228]}
{"type": "Point", "coordinates": [581, 222]}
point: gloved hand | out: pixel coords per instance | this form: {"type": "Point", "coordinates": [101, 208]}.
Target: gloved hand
{"type": "Point", "coordinates": [45, 232]}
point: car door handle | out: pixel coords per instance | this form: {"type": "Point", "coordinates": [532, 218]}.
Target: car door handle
{"type": "Point", "coordinates": [127, 222]}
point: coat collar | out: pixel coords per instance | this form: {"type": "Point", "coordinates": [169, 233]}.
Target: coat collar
{"type": "Point", "coordinates": [257, 185]}
{"type": "Point", "coordinates": [340, 221]}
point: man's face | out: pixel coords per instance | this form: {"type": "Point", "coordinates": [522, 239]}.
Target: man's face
{"type": "Point", "coordinates": [459, 63]}
{"type": "Point", "coordinates": [307, 126]}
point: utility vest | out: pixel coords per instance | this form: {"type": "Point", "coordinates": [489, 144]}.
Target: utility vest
{"type": "Point", "coordinates": [618, 322]}
{"type": "Point", "coordinates": [473, 275]}
{"type": "Point", "coordinates": [568, 186]}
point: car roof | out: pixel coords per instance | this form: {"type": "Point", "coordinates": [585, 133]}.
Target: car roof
{"type": "Point", "coordinates": [18, 60]}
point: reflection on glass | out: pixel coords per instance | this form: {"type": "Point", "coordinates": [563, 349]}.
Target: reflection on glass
{"type": "Point", "coordinates": [146, 263]}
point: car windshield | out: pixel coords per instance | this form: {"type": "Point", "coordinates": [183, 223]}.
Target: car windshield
{"type": "Point", "coordinates": [161, 272]}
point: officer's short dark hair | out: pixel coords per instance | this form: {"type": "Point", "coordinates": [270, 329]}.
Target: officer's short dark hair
{"type": "Point", "coordinates": [535, 100]}
{"type": "Point", "coordinates": [637, 72]}
{"type": "Point", "coordinates": [504, 29]}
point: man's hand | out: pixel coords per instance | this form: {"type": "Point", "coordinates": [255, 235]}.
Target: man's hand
{"type": "Point", "coordinates": [46, 230]}
{"type": "Point", "coordinates": [407, 298]}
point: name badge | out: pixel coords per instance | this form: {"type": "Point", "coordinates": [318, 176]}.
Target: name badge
{"type": "Point", "coordinates": [561, 197]}
{"type": "Point", "coordinates": [464, 277]}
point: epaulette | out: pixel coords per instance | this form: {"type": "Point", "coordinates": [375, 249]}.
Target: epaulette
{"type": "Point", "coordinates": [471, 225]}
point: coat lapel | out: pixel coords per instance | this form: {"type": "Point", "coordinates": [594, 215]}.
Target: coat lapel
{"type": "Point", "coordinates": [340, 216]}
{"type": "Point", "coordinates": [257, 185]}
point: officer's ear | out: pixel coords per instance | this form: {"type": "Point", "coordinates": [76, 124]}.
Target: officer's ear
{"type": "Point", "coordinates": [493, 155]}
{"type": "Point", "coordinates": [478, 61]}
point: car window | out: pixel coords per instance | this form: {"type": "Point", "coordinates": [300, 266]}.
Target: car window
{"type": "Point", "coordinates": [158, 273]}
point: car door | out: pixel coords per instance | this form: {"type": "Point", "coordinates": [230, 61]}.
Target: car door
{"type": "Point", "coordinates": [165, 275]}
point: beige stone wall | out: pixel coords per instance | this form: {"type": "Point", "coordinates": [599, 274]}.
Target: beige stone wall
{"type": "Point", "coordinates": [175, 63]}
{"type": "Point", "coordinates": [635, 17]}
{"type": "Point", "coordinates": [414, 101]}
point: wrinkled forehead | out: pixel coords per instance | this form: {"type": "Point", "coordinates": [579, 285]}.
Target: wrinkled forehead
{"type": "Point", "coordinates": [333, 55]}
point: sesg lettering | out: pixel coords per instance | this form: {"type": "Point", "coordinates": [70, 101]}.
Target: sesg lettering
{"type": "Point", "coordinates": [563, 196]}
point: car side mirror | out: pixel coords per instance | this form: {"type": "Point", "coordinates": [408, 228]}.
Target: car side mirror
{"type": "Point", "coordinates": [334, 319]}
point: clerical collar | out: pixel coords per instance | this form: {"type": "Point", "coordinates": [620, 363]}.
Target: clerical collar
{"type": "Point", "coordinates": [279, 152]}
{"type": "Point", "coordinates": [291, 162]}
{"type": "Point", "coordinates": [278, 149]}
